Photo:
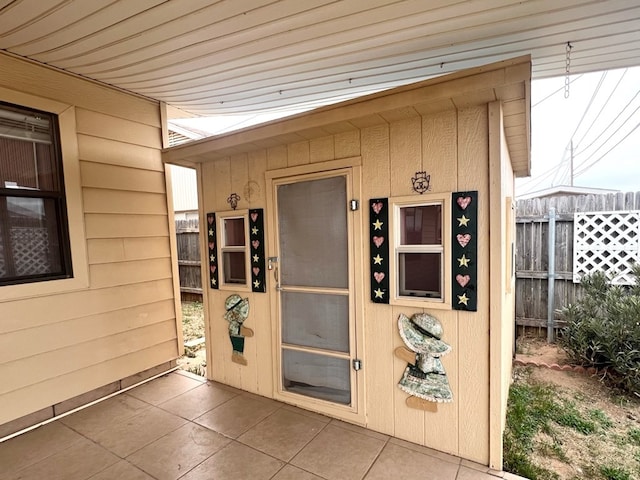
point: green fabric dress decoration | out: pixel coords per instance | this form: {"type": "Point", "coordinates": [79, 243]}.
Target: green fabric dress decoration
{"type": "Point", "coordinates": [426, 378]}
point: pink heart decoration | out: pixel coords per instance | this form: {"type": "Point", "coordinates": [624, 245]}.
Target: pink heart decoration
{"type": "Point", "coordinates": [256, 271]}
{"type": "Point", "coordinates": [463, 280]}
{"type": "Point", "coordinates": [212, 245]}
{"type": "Point", "coordinates": [463, 239]}
{"type": "Point", "coordinates": [377, 241]}
{"type": "Point", "coordinates": [379, 276]}
{"type": "Point", "coordinates": [464, 202]}
{"type": "Point", "coordinates": [377, 207]}
{"type": "Point", "coordinates": [213, 268]}
{"type": "Point", "coordinates": [210, 220]}
{"type": "Point", "coordinates": [254, 217]}
{"type": "Point", "coordinates": [255, 244]}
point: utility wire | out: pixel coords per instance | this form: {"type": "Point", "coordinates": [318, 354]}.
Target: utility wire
{"type": "Point", "coordinates": [593, 97]}
{"type": "Point", "coordinates": [606, 102]}
{"type": "Point", "coordinates": [557, 91]}
{"type": "Point", "coordinates": [605, 154]}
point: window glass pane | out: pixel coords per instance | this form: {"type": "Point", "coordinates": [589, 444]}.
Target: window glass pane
{"type": "Point", "coordinates": [317, 376]}
{"type": "Point", "coordinates": [312, 217]}
{"type": "Point", "coordinates": [29, 236]}
{"type": "Point", "coordinates": [234, 232]}
{"type": "Point", "coordinates": [421, 225]}
{"type": "Point", "coordinates": [316, 320]}
{"type": "Point", "coordinates": [234, 267]}
{"type": "Point", "coordinates": [420, 274]}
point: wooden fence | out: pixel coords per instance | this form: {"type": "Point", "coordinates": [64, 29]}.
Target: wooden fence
{"type": "Point", "coordinates": [187, 233]}
{"type": "Point", "coordinates": [532, 253]}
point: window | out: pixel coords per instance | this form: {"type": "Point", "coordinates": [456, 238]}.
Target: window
{"type": "Point", "coordinates": [419, 263]}
{"type": "Point", "coordinates": [233, 248]}
{"type": "Point", "coordinates": [34, 239]}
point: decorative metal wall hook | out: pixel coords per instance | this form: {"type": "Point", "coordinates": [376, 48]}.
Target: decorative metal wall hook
{"type": "Point", "coordinates": [421, 182]}
{"type": "Point", "coordinates": [233, 200]}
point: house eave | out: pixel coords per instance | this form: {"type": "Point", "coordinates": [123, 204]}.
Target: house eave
{"type": "Point", "coordinates": [507, 81]}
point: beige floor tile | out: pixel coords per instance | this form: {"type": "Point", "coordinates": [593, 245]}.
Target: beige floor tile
{"type": "Point", "coordinates": [197, 401]}
{"type": "Point", "coordinates": [34, 446]}
{"type": "Point", "coordinates": [122, 470]}
{"type": "Point", "coordinates": [238, 415]}
{"type": "Point", "coordinates": [78, 462]}
{"type": "Point", "coordinates": [338, 453]}
{"type": "Point", "coordinates": [426, 450]}
{"type": "Point", "coordinates": [236, 461]}
{"type": "Point", "coordinates": [125, 437]}
{"type": "Point", "coordinates": [466, 473]}
{"type": "Point", "coordinates": [282, 434]}
{"type": "Point", "coordinates": [95, 418]}
{"type": "Point", "coordinates": [289, 472]}
{"type": "Point", "coordinates": [164, 388]}
{"type": "Point", "coordinates": [358, 429]}
{"type": "Point", "coordinates": [178, 452]}
{"type": "Point", "coordinates": [307, 413]}
{"type": "Point", "coordinates": [399, 462]}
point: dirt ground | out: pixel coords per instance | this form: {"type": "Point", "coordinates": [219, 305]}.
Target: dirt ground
{"type": "Point", "coordinates": [583, 455]}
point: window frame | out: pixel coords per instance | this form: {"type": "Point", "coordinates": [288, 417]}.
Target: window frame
{"type": "Point", "coordinates": [58, 196]}
{"type": "Point", "coordinates": [70, 160]}
{"type": "Point", "coordinates": [396, 248]}
{"type": "Point", "coordinates": [223, 248]}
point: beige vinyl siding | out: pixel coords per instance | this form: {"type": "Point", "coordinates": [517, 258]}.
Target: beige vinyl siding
{"type": "Point", "coordinates": [55, 346]}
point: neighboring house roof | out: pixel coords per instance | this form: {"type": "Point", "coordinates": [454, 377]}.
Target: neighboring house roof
{"type": "Point", "coordinates": [564, 190]}
{"type": "Point", "coordinates": [210, 57]}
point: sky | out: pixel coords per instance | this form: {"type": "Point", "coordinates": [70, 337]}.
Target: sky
{"type": "Point", "coordinates": [602, 116]}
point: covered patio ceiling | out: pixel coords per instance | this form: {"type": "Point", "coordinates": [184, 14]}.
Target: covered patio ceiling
{"type": "Point", "coordinates": [209, 57]}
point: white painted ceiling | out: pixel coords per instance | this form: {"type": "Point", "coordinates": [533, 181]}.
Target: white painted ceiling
{"type": "Point", "coordinates": [211, 57]}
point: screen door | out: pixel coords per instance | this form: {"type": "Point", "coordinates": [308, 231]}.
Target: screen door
{"type": "Point", "coordinates": [313, 288]}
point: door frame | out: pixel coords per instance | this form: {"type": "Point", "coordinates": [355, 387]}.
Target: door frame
{"type": "Point", "coordinates": [355, 412]}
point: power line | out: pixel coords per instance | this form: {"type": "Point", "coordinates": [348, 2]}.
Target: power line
{"type": "Point", "coordinates": [605, 154]}
{"type": "Point", "coordinates": [595, 118]}
{"type": "Point", "coordinates": [556, 91]}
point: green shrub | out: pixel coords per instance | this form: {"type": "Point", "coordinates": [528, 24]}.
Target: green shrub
{"type": "Point", "coordinates": [603, 329]}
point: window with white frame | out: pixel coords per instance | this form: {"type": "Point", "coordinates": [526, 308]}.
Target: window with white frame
{"type": "Point", "coordinates": [34, 239]}
{"type": "Point", "coordinates": [233, 248]}
{"type": "Point", "coordinates": [419, 250]}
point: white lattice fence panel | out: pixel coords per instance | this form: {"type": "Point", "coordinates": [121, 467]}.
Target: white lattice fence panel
{"type": "Point", "coordinates": [606, 242]}
{"type": "Point", "coordinates": [30, 250]}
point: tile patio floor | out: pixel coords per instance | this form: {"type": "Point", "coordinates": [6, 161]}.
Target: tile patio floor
{"type": "Point", "coordinates": [179, 426]}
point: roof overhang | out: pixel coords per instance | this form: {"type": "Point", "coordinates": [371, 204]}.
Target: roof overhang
{"type": "Point", "coordinates": [507, 81]}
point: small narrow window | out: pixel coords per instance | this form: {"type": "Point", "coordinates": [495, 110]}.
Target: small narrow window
{"type": "Point", "coordinates": [234, 249]}
{"type": "Point", "coordinates": [34, 239]}
{"type": "Point", "coordinates": [419, 251]}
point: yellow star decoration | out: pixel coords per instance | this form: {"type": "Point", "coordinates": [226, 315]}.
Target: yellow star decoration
{"type": "Point", "coordinates": [256, 284]}
{"type": "Point", "coordinates": [463, 299]}
{"type": "Point", "coordinates": [212, 258]}
{"type": "Point", "coordinates": [379, 293]}
{"type": "Point", "coordinates": [377, 225]}
{"type": "Point", "coordinates": [256, 259]}
{"type": "Point", "coordinates": [377, 260]}
{"type": "Point", "coordinates": [211, 232]}
{"type": "Point", "coordinates": [463, 261]}
{"type": "Point", "coordinates": [254, 231]}
{"type": "Point", "coordinates": [463, 221]}
{"type": "Point", "coordinates": [213, 282]}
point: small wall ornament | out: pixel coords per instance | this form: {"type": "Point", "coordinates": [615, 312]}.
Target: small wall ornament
{"type": "Point", "coordinates": [424, 378]}
{"type": "Point", "coordinates": [421, 182]}
{"type": "Point", "coordinates": [233, 200]}
{"type": "Point", "coordinates": [237, 311]}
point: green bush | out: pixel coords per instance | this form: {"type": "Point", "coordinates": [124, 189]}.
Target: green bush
{"type": "Point", "coordinates": [603, 329]}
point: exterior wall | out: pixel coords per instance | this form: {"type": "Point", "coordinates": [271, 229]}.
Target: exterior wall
{"type": "Point", "coordinates": [451, 146]}
{"type": "Point", "coordinates": [117, 317]}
